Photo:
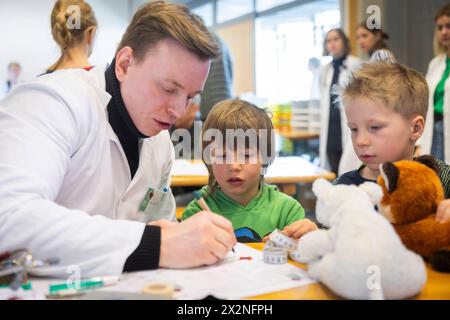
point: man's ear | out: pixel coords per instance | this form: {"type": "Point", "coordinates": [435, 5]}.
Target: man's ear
{"type": "Point", "coordinates": [417, 127]}
{"type": "Point", "coordinates": [123, 60]}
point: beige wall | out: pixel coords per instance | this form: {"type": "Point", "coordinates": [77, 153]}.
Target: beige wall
{"type": "Point", "coordinates": [240, 37]}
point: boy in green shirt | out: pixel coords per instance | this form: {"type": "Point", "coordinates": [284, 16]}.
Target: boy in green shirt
{"type": "Point", "coordinates": [237, 149]}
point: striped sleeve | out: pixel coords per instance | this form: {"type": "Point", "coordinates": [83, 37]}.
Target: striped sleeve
{"type": "Point", "coordinates": [444, 175]}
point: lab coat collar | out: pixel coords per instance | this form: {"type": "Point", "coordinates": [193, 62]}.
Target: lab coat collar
{"type": "Point", "coordinates": [96, 77]}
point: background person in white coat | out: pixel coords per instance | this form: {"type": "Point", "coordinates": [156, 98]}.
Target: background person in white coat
{"type": "Point", "coordinates": [372, 42]}
{"type": "Point", "coordinates": [336, 151]}
{"type": "Point", "coordinates": [14, 70]}
{"type": "Point", "coordinates": [86, 156]}
{"type": "Point", "coordinates": [76, 44]}
{"type": "Point", "coordinates": [436, 138]}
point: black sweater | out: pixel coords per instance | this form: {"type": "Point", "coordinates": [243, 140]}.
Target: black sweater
{"type": "Point", "coordinates": [146, 255]}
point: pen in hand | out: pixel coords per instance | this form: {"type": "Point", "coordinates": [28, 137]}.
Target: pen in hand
{"type": "Point", "coordinates": [203, 204]}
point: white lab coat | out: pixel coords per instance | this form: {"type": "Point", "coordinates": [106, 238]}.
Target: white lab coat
{"type": "Point", "coordinates": [3, 90]}
{"type": "Point", "coordinates": [435, 72]}
{"type": "Point", "coordinates": [65, 186]}
{"type": "Point", "coordinates": [349, 160]}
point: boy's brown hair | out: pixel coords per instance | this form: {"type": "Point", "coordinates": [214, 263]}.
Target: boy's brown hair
{"type": "Point", "coordinates": [236, 114]}
{"type": "Point", "coordinates": [159, 20]}
{"type": "Point", "coordinates": [398, 87]}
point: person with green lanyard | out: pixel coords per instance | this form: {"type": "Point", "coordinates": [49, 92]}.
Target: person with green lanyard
{"type": "Point", "coordinates": [435, 139]}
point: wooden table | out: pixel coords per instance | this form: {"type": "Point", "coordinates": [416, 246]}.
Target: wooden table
{"type": "Point", "coordinates": [436, 288]}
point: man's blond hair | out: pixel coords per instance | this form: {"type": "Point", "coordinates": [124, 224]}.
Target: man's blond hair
{"type": "Point", "coordinates": [401, 88]}
{"type": "Point", "coordinates": [159, 20]}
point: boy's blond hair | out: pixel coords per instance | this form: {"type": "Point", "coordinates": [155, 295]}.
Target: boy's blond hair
{"type": "Point", "coordinates": [235, 114]}
{"type": "Point", "coordinates": [396, 86]}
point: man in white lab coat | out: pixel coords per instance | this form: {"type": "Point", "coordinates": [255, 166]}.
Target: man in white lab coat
{"type": "Point", "coordinates": [85, 156]}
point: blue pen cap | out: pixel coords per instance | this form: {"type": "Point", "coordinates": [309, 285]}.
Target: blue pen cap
{"type": "Point", "coordinates": [197, 195]}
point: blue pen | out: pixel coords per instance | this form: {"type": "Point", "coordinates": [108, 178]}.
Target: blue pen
{"type": "Point", "coordinates": [201, 201]}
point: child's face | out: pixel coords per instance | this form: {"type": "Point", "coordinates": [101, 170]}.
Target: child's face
{"type": "Point", "coordinates": [379, 134]}
{"type": "Point", "coordinates": [239, 178]}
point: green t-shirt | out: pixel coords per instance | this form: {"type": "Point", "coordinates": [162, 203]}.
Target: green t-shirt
{"type": "Point", "coordinates": [269, 210]}
{"type": "Point", "coordinates": [440, 90]}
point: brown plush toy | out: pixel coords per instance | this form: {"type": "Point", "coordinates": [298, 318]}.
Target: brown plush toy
{"type": "Point", "coordinates": [412, 192]}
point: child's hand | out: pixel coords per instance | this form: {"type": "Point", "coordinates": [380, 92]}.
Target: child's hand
{"type": "Point", "coordinates": [443, 211]}
{"type": "Point", "coordinates": [299, 228]}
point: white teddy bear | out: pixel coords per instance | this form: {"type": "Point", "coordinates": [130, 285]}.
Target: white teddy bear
{"type": "Point", "coordinates": [360, 256]}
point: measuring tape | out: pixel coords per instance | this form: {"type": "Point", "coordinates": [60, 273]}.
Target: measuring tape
{"type": "Point", "coordinates": [282, 241]}
{"type": "Point", "coordinates": [294, 255]}
{"type": "Point", "coordinates": [275, 255]}
{"type": "Point", "coordinates": [160, 289]}
{"type": "Point", "coordinates": [278, 247]}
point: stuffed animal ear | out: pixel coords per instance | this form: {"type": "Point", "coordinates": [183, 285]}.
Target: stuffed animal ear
{"type": "Point", "coordinates": [429, 162]}
{"type": "Point", "coordinates": [390, 174]}
{"type": "Point", "coordinates": [320, 187]}
{"type": "Point", "coordinates": [373, 190]}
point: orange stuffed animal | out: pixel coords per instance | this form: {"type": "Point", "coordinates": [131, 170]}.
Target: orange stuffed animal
{"type": "Point", "coordinates": [412, 192]}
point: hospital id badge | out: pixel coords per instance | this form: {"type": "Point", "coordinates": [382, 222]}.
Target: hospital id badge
{"type": "Point", "coordinates": [152, 196]}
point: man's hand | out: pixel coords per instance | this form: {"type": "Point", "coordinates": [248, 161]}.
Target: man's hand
{"type": "Point", "coordinates": [203, 239]}
{"type": "Point", "coordinates": [299, 228]}
{"type": "Point", "coordinates": [443, 211]}
{"type": "Point", "coordinates": [163, 223]}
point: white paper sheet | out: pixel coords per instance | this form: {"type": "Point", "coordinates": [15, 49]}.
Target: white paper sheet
{"type": "Point", "coordinates": [232, 278]}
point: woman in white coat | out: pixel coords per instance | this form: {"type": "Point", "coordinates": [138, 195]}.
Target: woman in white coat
{"type": "Point", "coordinates": [336, 150]}
{"type": "Point", "coordinates": [76, 44]}
{"type": "Point", "coordinates": [436, 137]}
{"type": "Point", "coordinates": [372, 42]}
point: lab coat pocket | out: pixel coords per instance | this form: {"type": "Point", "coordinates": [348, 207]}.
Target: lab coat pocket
{"type": "Point", "coordinates": [155, 204]}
